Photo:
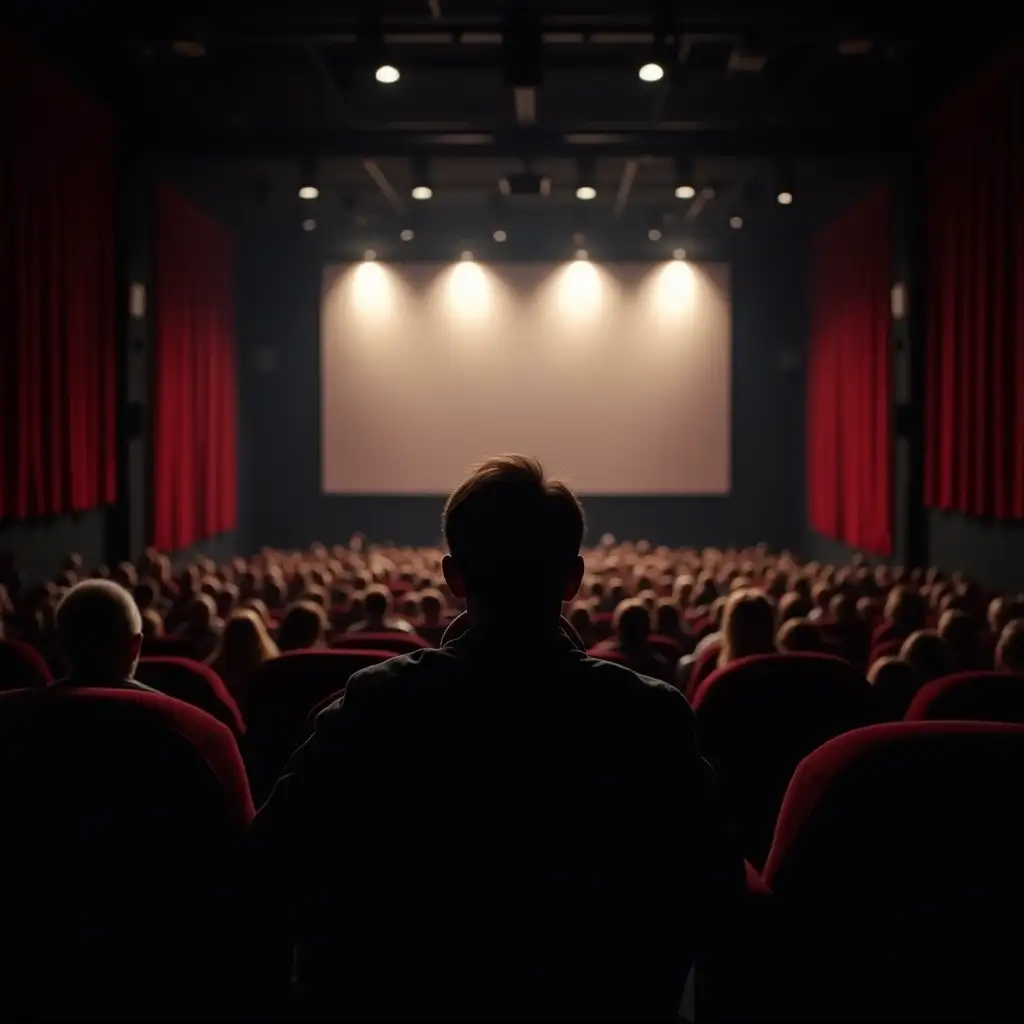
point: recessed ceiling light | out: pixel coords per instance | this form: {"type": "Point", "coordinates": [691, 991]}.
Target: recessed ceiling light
{"type": "Point", "coordinates": [679, 254]}
{"type": "Point", "coordinates": [309, 224]}
{"type": "Point", "coordinates": [309, 192]}
{"type": "Point", "coordinates": [370, 255]}
{"type": "Point", "coordinates": [736, 222]}
{"type": "Point", "coordinates": [422, 192]}
{"type": "Point", "coordinates": [685, 192]}
{"type": "Point", "coordinates": [466, 256]}
{"type": "Point", "coordinates": [651, 72]}
{"type": "Point", "coordinates": [582, 254]}
{"type": "Point", "coordinates": [586, 192]}
{"type": "Point", "coordinates": [500, 235]}
{"type": "Point", "coordinates": [785, 198]}
{"type": "Point", "coordinates": [654, 235]}
{"type": "Point", "coordinates": [387, 74]}
{"type": "Point", "coordinates": [407, 234]}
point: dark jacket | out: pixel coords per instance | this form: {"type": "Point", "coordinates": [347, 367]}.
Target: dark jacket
{"type": "Point", "coordinates": [495, 826]}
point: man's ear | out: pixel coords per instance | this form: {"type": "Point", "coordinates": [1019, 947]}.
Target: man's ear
{"type": "Point", "coordinates": [575, 579]}
{"type": "Point", "coordinates": [454, 578]}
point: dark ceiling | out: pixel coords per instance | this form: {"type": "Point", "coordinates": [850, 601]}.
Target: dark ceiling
{"type": "Point", "coordinates": [238, 99]}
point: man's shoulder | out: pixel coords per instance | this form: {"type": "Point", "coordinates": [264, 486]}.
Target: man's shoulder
{"type": "Point", "coordinates": [620, 680]}
{"type": "Point", "coordinates": [403, 669]}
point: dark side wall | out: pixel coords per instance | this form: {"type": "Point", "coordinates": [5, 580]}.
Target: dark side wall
{"type": "Point", "coordinates": [281, 499]}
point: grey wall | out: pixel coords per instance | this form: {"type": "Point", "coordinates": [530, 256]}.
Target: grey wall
{"type": "Point", "coordinates": [281, 499]}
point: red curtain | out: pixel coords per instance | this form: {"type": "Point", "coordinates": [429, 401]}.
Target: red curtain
{"type": "Point", "coordinates": [849, 418]}
{"type": "Point", "coordinates": [58, 352]}
{"type": "Point", "coordinates": [974, 452]}
{"type": "Point", "coordinates": [194, 400]}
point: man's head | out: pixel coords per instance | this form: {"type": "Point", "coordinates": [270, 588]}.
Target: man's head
{"type": "Point", "coordinates": [1010, 649]}
{"type": "Point", "coordinates": [99, 629]}
{"type": "Point", "coordinates": [514, 539]}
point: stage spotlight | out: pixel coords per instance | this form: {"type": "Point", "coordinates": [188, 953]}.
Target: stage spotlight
{"type": "Point", "coordinates": [387, 74]}
{"type": "Point", "coordinates": [309, 192]}
{"type": "Point", "coordinates": [407, 234]}
{"type": "Point", "coordinates": [466, 257]}
{"type": "Point", "coordinates": [582, 254]}
{"type": "Point", "coordinates": [421, 192]}
{"type": "Point", "coordinates": [309, 224]}
{"type": "Point", "coordinates": [679, 254]}
{"type": "Point", "coordinates": [685, 192]}
{"type": "Point", "coordinates": [369, 255]}
{"type": "Point", "coordinates": [736, 222]}
{"type": "Point", "coordinates": [654, 235]}
{"type": "Point", "coordinates": [500, 235]}
{"type": "Point", "coordinates": [586, 192]}
{"type": "Point", "coordinates": [651, 72]}
{"type": "Point", "coordinates": [784, 198]}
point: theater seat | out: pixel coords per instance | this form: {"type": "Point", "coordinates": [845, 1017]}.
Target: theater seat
{"type": "Point", "coordinates": [122, 812]}
{"type": "Point", "coordinates": [196, 684]}
{"type": "Point", "coordinates": [971, 696]}
{"type": "Point", "coordinates": [704, 665]}
{"type": "Point", "coordinates": [396, 643]}
{"type": "Point", "coordinates": [759, 716]}
{"type": "Point", "coordinates": [22, 666]}
{"type": "Point", "coordinates": [282, 694]}
{"type": "Point", "coordinates": [895, 870]}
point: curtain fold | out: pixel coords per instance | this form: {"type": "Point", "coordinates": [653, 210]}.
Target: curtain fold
{"type": "Point", "coordinates": [849, 416]}
{"type": "Point", "coordinates": [974, 450]}
{"type": "Point", "coordinates": [58, 351]}
{"type": "Point", "coordinates": [194, 379]}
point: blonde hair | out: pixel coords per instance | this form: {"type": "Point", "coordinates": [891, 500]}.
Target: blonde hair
{"type": "Point", "coordinates": [748, 626]}
{"type": "Point", "coordinates": [244, 645]}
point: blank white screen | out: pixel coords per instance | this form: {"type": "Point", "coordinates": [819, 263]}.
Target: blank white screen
{"type": "Point", "coordinates": [616, 376]}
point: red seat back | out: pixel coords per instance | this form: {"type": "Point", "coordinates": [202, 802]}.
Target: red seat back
{"type": "Point", "coordinates": [22, 666]}
{"type": "Point", "coordinates": [971, 696]}
{"type": "Point", "coordinates": [282, 694]}
{"type": "Point", "coordinates": [896, 866]}
{"type": "Point", "coordinates": [396, 643]}
{"type": "Point", "coordinates": [123, 812]}
{"type": "Point", "coordinates": [194, 683]}
{"type": "Point", "coordinates": [759, 717]}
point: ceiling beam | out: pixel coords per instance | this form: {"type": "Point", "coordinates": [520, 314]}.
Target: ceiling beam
{"type": "Point", "coordinates": [381, 181]}
{"type": "Point", "coordinates": [598, 140]}
{"type": "Point", "coordinates": [625, 185]}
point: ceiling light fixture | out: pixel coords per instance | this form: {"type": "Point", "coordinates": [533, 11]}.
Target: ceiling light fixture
{"type": "Point", "coordinates": [654, 235]}
{"type": "Point", "coordinates": [369, 255]}
{"type": "Point", "coordinates": [422, 192]}
{"type": "Point", "coordinates": [679, 254]}
{"type": "Point", "coordinates": [736, 222]}
{"type": "Point", "coordinates": [466, 256]}
{"type": "Point", "coordinates": [685, 191]}
{"type": "Point", "coordinates": [651, 72]}
{"type": "Point", "coordinates": [586, 192]}
{"type": "Point", "coordinates": [500, 235]}
{"type": "Point", "coordinates": [407, 234]}
{"type": "Point", "coordinates": [387, 74]}
{"type": "Point", "coordinates": [582, 254]}
{"type": "Point", "coordinates": [309, 224]}
{"type": "Point", "coordinates": [785, 198]}
{"type": "Point", "coordinates": [309, 192]}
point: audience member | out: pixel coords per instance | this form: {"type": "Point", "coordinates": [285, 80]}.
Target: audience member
{"type": "Point", "coordinates": [632, 624]}
{"type": "Point", "coordinates": [377, 608]}
{"type": "Point", "coordinates": [748, 626]}
{"type": "Point", "coordinates": [304, 626]}
{"type": "Point", "coordinates": [799, 635]}
{"type": "Point", "coordinates": [244, 646]}
{"type": "Point", "coordinates": [928, 653]}
{"type": "Point", "coordinates": [1010, 648]}
{"type": "Point", "coordinates": [894, 683]}
{"type": "Point", "coordinates": [202, 627]}
{"type": "Point", "coordinates": [152, 625]}
{"type": "Point", "coordinates": [526, 762]}
{"type": "Point", "coordinates": [99, 630]}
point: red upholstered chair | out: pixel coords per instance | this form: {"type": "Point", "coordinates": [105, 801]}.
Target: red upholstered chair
{"type": "Point", "coordinates": [885, 649]}
{"type": "Point", "coordinates": [396, 643]}
{"type": "Point", "coordinates": [194, 683]}
{"type": "Point", "coordinates": [704, 665]}
{"type": "Point", "coordinates": [668, 648]}
{"type": "Point", "coordinates": [971, 696]}
{"type": "Point", "coordinates": [22, 666]}
{"type": "Point", "coordinates": [122, 813]}
{"type": "Point", "coordinates": [760, 716]}
{"type": "Point", "coordinates": [895, 870]}
{"type": "Point", "coordinates": [281, 696]}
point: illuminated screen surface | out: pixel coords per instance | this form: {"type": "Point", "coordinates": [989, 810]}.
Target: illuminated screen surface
{"type": "Point", "coordinates": [617, 376]}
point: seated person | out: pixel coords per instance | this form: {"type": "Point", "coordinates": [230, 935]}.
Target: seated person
{"type": "Point", "coordinates": [799, 635]}
{"type": "Point", "coordinates": [303, 627]}
{"type": "Point", "coordinates": [1010, 649]}
{"type": "Point", "coordinates": [99, 630]}
{"type": "Point", "coordinates": [748, 626]}
{"type": "Point", "coordinates": [431, 625]}
{"type": "Point", "coordinates": [539, 781]}
{"type": "Point", "coordinates": [928, 654]}
{"type": "Point", "coordinates": [632, 623]}
{"type": "Point", "coordinates": [202, 627]}
{"type": "Point", "coordinates": [377, 614]}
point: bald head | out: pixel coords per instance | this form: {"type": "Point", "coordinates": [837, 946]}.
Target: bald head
{"type": "Point", "coordinates": [99, 629]}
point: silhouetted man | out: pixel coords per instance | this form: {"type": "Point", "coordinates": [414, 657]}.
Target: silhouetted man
{"type": "Point", "coordinates": [502, 826]}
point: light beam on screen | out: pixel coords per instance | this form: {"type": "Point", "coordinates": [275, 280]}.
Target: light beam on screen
{"type": "Point", "coordinates": [670, 290]}
{"type": "Point", "coordinates": [577, 295]}
{"type": "Point", "coordinates": [468, 292]}
{"type": "Point", "coordinates": [372, 292]}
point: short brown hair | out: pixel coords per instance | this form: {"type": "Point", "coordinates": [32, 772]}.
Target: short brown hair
{"type": "Point", "coordinates": [507, 521]}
